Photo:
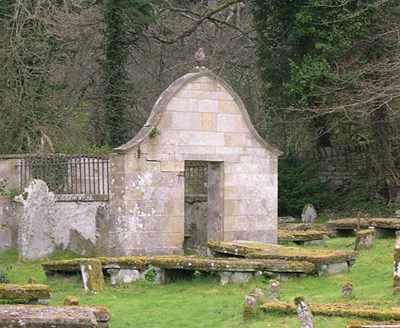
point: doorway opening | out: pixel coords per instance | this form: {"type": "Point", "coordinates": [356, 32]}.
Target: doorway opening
{"type": "Point", "coordinates": [203, 205]}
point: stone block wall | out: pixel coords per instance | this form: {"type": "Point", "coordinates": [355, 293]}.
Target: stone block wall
{"type": "Point", "coordinates": [198, 118]}
{"type": "Point", "coordinates": [344, 165]}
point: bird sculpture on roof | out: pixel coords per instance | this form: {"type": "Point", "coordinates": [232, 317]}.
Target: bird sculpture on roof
{"type": "Point", "coordinates": [200, 56]}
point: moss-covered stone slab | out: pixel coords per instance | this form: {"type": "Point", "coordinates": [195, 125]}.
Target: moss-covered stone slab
{"type": "Point", "coordinates": [53, 316]}
{"type": "Point", "coordinates": [344, 309]}
{"type": "Point", "coordinates": [300, 236]}
{"type": "Point", "coordinates": [380, 324]}
{"type": "Point", "coordinates": [230, 264]}
{"type": "Point", "coordinates": [348, 223]}
{"type": "Point", "coordinates": [392, 223]}
{"type": "Point", "coordinates": [92, 275]}
{"type": "Point", "coordinates": [26, 291]}
{"type": "Point", "coordinates": [73, 265]}
{"type": "Point", "coordinates": [326, 261]}
{"type": "Point", "coordinates": [385, 227]}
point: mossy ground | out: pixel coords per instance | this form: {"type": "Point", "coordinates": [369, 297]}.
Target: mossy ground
{"type": "Point", "coordinates": [204, 303]}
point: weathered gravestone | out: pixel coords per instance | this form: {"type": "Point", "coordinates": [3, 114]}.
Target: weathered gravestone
{"type": "Point", "coordinates": [309, 214]}
{"type": "Point", "coordinates": [35, 216]}
{"type": "Point", "coordinates": [92, 275]}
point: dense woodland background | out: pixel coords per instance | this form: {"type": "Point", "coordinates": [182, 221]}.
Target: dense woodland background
{"type": "Point", "coordinates": [82, 76]}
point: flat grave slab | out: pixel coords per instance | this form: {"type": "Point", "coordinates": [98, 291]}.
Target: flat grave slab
{"type": "Point", "coordinates": [384, 227]}
{"type": "Point", "coordinates": [38, 292]}
{"type": "Point", "coordinates": [343, 309]}
{"type": "Point", "coordinates": [125, 270]}
{"type": "Point", "coordinates": [53, 316]}
{"type": "Point", "coordinates": [301, 237]}
{"type": "Point", "coordinates": [326, 261]}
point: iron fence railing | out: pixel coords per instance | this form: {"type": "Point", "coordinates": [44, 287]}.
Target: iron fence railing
{"type": "Point", "coordinates": [196, 176]}
{"type": "Point", "coordinates": [67, 174]}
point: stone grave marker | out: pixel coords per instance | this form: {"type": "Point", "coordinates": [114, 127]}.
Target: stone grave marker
{"type": "Point", "coordinates": [309, 214]}
{"type": "Point", "coordinates": [35, 217]}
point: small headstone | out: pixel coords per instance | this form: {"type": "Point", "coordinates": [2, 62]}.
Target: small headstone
{"type": "Point", "coordinates": [71, 300]}
{"type": "Point", "coordinates": [364, 239]}
{"type": "Point", "coordinates": [32, 280]}
{"type": "Point", "coordinates": [249, 307]}
{"type": "Point", "coordinates": [309, 214]}
{"type": "Point", "coordinates": [92, 275]}
{"type": "Point", "coordinates": [304, 313]}
{"type": "Point", "coordinates": [274, 289]}
{"type": "Point", "coordinates": [347, 290]}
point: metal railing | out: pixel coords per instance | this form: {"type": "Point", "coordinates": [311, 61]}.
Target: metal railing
{"type": "Point", "coordinates": [67, 174]}
{"type": "Point", "coordinates": [196, 175]}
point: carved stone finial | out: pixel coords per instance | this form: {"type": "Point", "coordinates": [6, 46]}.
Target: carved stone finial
{"type": "Point", "coordinates": [200, 56]}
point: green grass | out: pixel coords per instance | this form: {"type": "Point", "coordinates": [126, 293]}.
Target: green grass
{"type": "Point", "coordinates": [204, 303]}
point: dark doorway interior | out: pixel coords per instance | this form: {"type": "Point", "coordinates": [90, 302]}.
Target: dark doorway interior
{"type": "Point", "coordinates": [203, 205]}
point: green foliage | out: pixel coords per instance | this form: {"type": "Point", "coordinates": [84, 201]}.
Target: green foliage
{"type": "Point", "coordinates": [301, 40]}
{"type": "Point", "coordinates": [176, 304]}
{"type": "Point", "coordinates": [4, 191]}
{"type": "Point", "coordinates": [299, 186]}
{"type": "Point", "coordinates": [4, 275]}
{"type": "Point", "coordinates": [124, 23]}
{"type": "Point", "coordinates": [150, 274]}
{"type": "Point", "coordinates": [316, 55]}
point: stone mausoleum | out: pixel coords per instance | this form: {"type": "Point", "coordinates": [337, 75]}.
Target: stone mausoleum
{"type": "Point", "coordinates": [197, 171]}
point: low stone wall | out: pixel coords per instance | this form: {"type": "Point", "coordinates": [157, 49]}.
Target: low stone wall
{"type": "Point", "coordinates": [8, 225]}
{"type": "Point", "coordinates": [343, 164]}
{"type": "Point", "coordinates": [81, 224]}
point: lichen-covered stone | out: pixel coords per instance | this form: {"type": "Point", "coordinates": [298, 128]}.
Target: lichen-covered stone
{"type": "Point", "coordinates": [380, 324]}
{"type": "Point", "coordinates": [348, 223]}
{"type": "Point", "coordinates": [46, 316]}
{"type": "Point", "coordinates": [71, 300]}
{"type": "Point", "coordinates": [300, 236]}
{"type": "Point", "coordinates": [28, 291]}
{"type": "Point", "coordinates": [92, 275]}
{"type": "Point", "coordinates": [249, 307]}
{"type": "Point", "coordinates": [364, 239]}
{"type": "Point", "coordinates": [229, 264]}
{"type": "Point", "coordinates": [73, 265]}
{"type": "Point", "coordinates": [345, 309]}
{"type": "Point", "coordinates": [255, 250]}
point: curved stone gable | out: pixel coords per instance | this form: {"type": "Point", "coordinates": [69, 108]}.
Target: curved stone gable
{"type": "Point", "coordinates": [201, 92]}
{"type": "Point", "coordinates": [198, 119]}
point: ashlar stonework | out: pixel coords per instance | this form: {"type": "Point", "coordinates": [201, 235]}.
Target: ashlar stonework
{"type": "Point", "coordinates": [197, 118]}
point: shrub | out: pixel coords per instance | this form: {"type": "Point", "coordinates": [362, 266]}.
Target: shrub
{"type": "Point", "coordinates": [4, 275]}
{"type": "Point", "coordinates": [298, 185]}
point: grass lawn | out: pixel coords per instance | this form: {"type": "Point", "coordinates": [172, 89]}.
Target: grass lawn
{"type": "Point", "coordinates": [204, 303]}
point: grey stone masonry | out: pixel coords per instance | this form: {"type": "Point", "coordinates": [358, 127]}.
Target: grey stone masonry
{"type": "Point", "coordinates": [197, 118]}
{"type": "Point", "coordinates": [35, 216]}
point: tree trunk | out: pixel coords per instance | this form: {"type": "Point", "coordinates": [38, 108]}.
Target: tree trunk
{"type": "Point", "coordinates": [388, 173]}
